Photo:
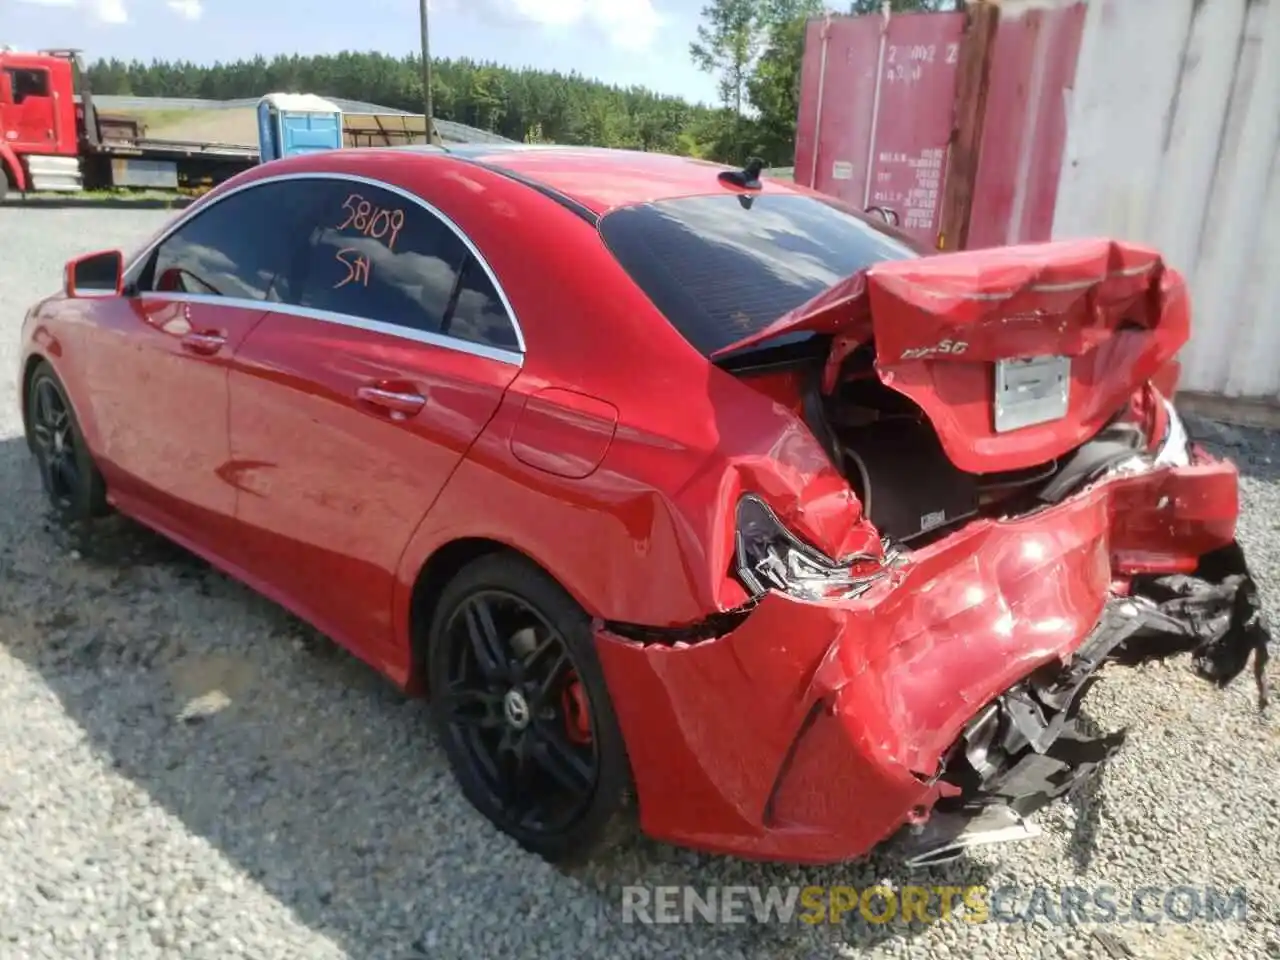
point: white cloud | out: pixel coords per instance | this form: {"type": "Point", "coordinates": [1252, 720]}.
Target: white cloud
{"type": "Point", "coordinates": [188, 9]}
{"type": "Point", "coordinates": [110, 11]}
{"type": "Point", "coordinates": [104, 11]}
{"type": "Point", "coordinates": [630, 24]}
{"type": "Point", "coordinates": [115, 11]}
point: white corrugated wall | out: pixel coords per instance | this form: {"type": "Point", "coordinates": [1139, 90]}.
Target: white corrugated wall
{"type": "Point", "coordinates": [1174, 141]}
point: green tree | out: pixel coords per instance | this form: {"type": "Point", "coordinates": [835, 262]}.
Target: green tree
{"type": "Point", "coordinates": [774, 86]}
{"type": "Point", "coordinates": [552, 106]}
{"type": "Point", "coordinates": [753, 47]}
{"type": "Point", "coordinates": [728, 41]}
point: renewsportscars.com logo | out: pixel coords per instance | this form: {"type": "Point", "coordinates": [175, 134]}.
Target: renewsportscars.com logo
{"type": "Point", "coordinates": [920, 904]}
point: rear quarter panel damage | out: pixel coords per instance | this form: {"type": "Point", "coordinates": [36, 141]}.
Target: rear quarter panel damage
{"type": "Point", "coordinates": [881, 686]}
{"type": "Point", "coordinates": [647, 537]}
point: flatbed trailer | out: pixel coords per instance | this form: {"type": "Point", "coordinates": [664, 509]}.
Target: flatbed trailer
{"type": "Point", "coordinates": [164, 164]}
{"type": "Point", "coordinates": [53, 139]}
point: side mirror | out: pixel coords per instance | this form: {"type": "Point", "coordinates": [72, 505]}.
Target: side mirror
{"type": "Point", "coordinates": [96, 275]}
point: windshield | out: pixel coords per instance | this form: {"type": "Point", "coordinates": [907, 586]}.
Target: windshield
{"type": "Point", "coordinates": [723, 267]}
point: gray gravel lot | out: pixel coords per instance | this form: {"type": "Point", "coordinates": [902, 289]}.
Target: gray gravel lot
{"type": "Point", "coordinates": [313, 815]}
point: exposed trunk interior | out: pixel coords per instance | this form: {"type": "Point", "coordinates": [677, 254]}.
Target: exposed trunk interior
{"type": "Point", "coordinates": [939, 371]}
{"type": "Point", "coordinates": [911, 490]}
{"type": "Point", "coordinates": [891, 454]}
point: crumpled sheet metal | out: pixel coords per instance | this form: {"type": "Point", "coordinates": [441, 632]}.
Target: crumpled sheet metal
{"type": "Point", "coordinates": [1063, 297]}
{"type": "Point", "coordinates": [938, 322]}
{"type": "Point", "coordinates": [898, 671]}
{"type": "Point", "coordinates": [1030, 747]}
{"type": "Point", "coordinates": [813, 731]}
{"type": "Point", "coordinates": [1116, 338]}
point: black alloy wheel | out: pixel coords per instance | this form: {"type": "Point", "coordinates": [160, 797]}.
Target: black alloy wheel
{"type": "Point", "coordinates": [520, 705]}
{"type": "Point", "coordinates": [71, 479]}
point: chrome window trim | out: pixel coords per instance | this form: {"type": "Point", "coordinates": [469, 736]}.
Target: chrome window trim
{"type": "Point", "coordinates": [196, 209]}
{"type": "Point", "coordinates": [456, 344]}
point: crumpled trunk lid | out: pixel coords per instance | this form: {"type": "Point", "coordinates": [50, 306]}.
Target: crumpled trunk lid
{"type": "Point", "coordinates": [1018, 354]}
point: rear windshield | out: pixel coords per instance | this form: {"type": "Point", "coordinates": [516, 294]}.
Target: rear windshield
{"type": "Point", "coordinates": [724, 267]}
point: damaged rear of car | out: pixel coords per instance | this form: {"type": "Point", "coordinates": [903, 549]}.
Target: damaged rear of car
{"type": "Point", "coordinates": [1016, 503]}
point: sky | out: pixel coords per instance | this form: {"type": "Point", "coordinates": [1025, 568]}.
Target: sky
{"type": "Point", "coordinates": [643, 42]}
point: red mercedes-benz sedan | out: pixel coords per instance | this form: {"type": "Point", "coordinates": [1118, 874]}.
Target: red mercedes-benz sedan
{"type": "Point", "coordinates": [675, 488]}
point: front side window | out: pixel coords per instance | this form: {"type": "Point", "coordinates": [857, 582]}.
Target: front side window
{"type": "Point", "coordinates": [723, 267]}
{"type": "Point", "coordinates": [28, 83]}
{"type": "Point", "coordinates": [243, 247]}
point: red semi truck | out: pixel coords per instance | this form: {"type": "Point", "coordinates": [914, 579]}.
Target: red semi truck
{"type": "Point", "coordinates": [52, 139]}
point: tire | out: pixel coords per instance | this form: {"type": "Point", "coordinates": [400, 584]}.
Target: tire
{"type": "Point", "coordinates": [71, 479]}
{"type": "Point", "coordinates": [563, 821]}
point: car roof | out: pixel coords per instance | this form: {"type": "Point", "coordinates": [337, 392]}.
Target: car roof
{"type": "Point", "coordinates": [600, 178]}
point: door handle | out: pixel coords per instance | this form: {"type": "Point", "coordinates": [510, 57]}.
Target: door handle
{"type": "Point", "coordinates": [205, 344]}
{"type": "Point", "coordinates": [400, 403]}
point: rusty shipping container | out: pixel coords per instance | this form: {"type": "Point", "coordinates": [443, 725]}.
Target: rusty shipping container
{"type": "Point", "coordinates": [1149, 120]}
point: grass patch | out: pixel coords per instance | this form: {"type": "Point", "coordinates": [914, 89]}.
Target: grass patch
{"type": "Point", "coordinates": [123, 193]}
{"type": "Point", "coordinates": [122, 197]}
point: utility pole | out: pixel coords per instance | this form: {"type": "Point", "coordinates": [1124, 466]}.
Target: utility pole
{"type": "Point", "coordinates": [428, 112]}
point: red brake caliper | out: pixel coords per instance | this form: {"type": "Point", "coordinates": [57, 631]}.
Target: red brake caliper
{"type": "Point", "coordinates": [577, 711]}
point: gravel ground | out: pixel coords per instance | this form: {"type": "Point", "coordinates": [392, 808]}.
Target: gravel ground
{"type": "Point", "coordinates": [186, 771]}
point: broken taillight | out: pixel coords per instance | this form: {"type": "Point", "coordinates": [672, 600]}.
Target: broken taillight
{"type": "Point", "coordinates": [1167, 443]}
{"type": "Point", "coordinates": [1166, 434]}
{"type": "Point", "coordinates": [1148, 410]}
{"type": "Point", "coordinates": [770, 557]}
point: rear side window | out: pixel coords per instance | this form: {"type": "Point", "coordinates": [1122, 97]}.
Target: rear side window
{"type": "Point", "coordinates": [723, 267]}
{"type": "Point", "coordinates": [375, 254]}
{"type": "Point", "coordinates": [478, 313]}
{"type": "Point", "coordinates": [241, 247]}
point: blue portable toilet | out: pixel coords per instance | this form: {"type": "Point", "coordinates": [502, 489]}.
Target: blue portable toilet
{"type": "Point", "coordinates": [294, 123]}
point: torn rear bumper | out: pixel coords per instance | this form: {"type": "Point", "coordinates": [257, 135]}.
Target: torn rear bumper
{"type": "Point", "coordinates": [814, 731]}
